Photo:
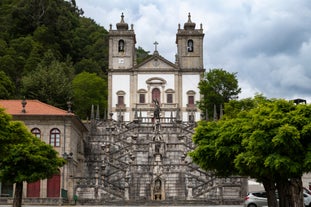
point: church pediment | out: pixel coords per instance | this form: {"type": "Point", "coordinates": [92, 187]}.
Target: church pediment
{"type": "Point", "coordinates": [156, 62]}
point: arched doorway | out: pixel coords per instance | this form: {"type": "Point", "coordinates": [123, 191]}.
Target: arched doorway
{"type": "Point", "coordinates": [156, 95]}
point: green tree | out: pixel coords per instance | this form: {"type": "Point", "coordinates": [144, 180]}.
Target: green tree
{"type": "Point", "coordinates": [3, 47]}
{"type": "Point", "coordinates": [91, 42]}
{"type": "Point", "coordinates": [6, 86]}
{"type": "Point", "coordinates": [23, 157]}
{"type": "Point", "coordinates": [88, 65]}
{"type": "Point", "coordinates": [88, 89]}
{"type": "Point", "coordinates": [7, 65]}
{"type": "Point", "coordinates": [141, 54]}
{"type": "Point", "coordinates": [269, 141]}
{"type": "Point", "coordinates": [217, 87]}
{"type": "Point", "coordinates": [49, 83]}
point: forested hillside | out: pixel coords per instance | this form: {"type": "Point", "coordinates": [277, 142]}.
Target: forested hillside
{"type": "Point", "coordinates": [44, 45]}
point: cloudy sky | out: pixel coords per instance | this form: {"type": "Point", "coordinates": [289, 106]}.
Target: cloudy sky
{"type": "Point", "coordinates": [266, 42]}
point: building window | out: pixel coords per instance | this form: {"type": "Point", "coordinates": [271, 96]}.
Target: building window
{"type": "Point", "coordinates": [142, 98]}
{"type": "Point", "coordinates": [36, 132]}
{"type": "Point", "coordinates": [191, 96]}
{"type": "Point", "coordinates": [55, 137]}
{"type": "Point", "coordinates": [169, 98]}
{"type": "Point", "coordinates": [190, 46]}
{"type": "Point", "coordinates": [191, 100]}
{"type": "Point", "coordinates": [156, 94]}
{"type": "Point", "coordinates": [120, 100]}
{"type": "Point", "coordinates": [121, 46]}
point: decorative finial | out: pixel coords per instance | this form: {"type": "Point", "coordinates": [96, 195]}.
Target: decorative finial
{"type": "Point", "coordinates": [24, 102]}
{"type": "Point", "coordinates": [189, 17]}
{"type": "Point", "coordinates": [122, 18]}
{"type": "Point", "coordinates": [69, 105]}
{"type": "Point", "coordinates": [97, 113]}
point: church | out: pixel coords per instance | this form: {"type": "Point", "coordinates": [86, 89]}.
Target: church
{"type": "Point", "coordinates": [140, 153]}
{"type": "Point", "coordinates": [137, 87]}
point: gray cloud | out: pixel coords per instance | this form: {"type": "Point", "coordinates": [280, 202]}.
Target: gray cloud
{"type": "Point", "coordinates": [268, 43]}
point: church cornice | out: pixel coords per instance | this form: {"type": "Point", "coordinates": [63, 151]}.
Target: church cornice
{"type": "Point", "coordinates": [193, 70]}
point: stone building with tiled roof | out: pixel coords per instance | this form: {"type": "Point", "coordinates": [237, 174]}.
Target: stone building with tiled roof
{"type": "Point", "coordinates": [63, 130]}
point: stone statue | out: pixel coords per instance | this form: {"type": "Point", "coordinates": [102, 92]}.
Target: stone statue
{"type": "Point", "coordinates": [157, 109]}
{"type": "Point", "coordinates": [157, 186]}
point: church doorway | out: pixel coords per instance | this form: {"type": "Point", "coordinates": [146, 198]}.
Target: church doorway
{"type": "Point", "coordinates": [156, 95]}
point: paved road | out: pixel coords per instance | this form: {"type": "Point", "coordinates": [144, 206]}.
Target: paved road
{"type": "Point", "coordinates": [124, 206]}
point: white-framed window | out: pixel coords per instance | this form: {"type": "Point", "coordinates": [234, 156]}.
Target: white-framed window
{"type": "Point", "coordinates": [55, 137]}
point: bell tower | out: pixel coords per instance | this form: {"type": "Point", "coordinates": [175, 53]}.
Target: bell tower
{"type": "Point", "coordinates": [122, 46]}
{"type": "Point", "coordinates": [122, 59]}
{"type": "Point", "coordinates": [190, 46]}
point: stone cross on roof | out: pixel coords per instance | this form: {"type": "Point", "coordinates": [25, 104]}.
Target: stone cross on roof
{"type": "Point", "coordinates": [155, 46]}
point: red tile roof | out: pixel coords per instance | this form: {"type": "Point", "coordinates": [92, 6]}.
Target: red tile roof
{"type": "Point", "coordinates": [33, 107]}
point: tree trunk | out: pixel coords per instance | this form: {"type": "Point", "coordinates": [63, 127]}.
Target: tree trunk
{"type": "Point", "coordinates": [284, 192]}
{"type": "Point", "coordinates": [18, 195]}
{"type": "Point", "coordinates": [296, 192]}
{"type": "Point", "coordinates": [270, 188]}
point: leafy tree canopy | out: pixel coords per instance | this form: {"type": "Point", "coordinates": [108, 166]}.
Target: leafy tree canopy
{"type": "Point", "coordinates": [89, 89]}
{"type": "Point", "coordinates": [217, 87]}
{"type": "Point", "coordinates": [50, 82]}
{"type": "Point", "coordinates": [31, 28]}
{"type": "Point", "coordinates": [265, 139]}
{"type": "Point", "coordinates": [6, 86]}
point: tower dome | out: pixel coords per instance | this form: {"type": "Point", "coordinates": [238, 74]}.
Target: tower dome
{"type": "Point", "coordinates": [189, 25]}
{"type": "Point", "coordinates": [122, 25]}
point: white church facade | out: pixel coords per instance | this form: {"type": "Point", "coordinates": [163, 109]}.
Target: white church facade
{"type": "Point", "coordinates": [135, 87]}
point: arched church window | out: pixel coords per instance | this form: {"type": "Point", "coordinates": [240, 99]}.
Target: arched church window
{"type": "Point", "coordinates": [169, 98]}
{"type": "Point", "coordinates": [121, 99]}
{"type": "Point", "coordinates": [190, 46]}
{"type": "Point", "coordinates": [36, 132]}
{"type": "Point", "coordinates": [142, 96]}
{"type": "Point", "coordinates": [169, 95]}
{"type": "Point", "coordinates": [191, 101]}
{"type": "Point", "coordinates": [156, 94]}
{"type": "Point", "coordinates": [55, 137]}
{"type": "Point", "coordinates": [121, 46]}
